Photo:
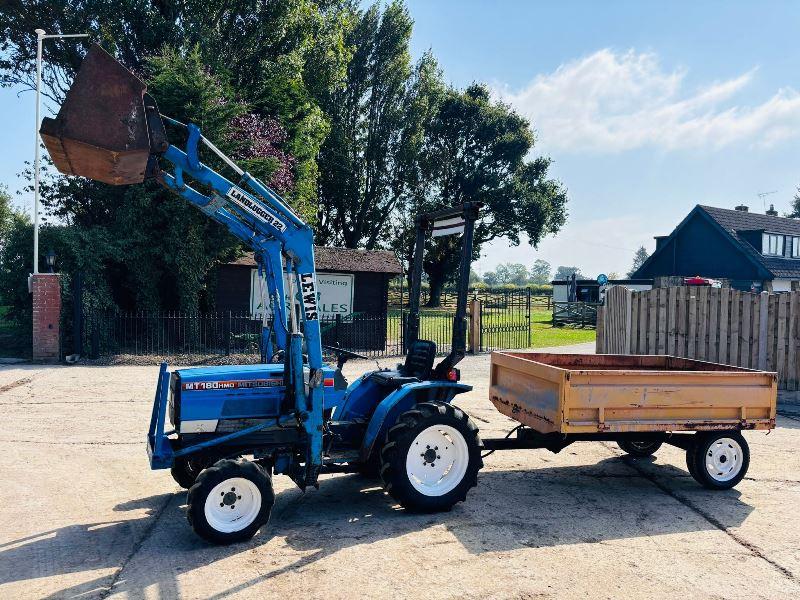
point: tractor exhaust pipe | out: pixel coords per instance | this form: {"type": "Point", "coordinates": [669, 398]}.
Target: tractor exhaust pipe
{"type": "Point", "coordinates": [108, 128]}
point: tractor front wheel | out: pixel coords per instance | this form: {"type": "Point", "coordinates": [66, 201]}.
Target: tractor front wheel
{"type": "Point", "coordinates": [431, 457]}
{"type": "Point", "coordinates": [230, 501]}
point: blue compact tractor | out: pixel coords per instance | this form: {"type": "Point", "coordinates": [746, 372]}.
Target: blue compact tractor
{"type": "Point", "coordinates": [231, 428]}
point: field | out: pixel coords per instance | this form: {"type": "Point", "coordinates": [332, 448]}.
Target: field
{"type": "Point", "coordinates": [502, 328]}
{"type": "Point", "coordinates": [544, 334]}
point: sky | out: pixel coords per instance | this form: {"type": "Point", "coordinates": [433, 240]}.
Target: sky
{"type": "Point", "coordinates": [645, 108]}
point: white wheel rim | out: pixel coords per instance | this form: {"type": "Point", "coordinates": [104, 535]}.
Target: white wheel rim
{"type": "Point", "coordinates": [724, 459]}
{"type": "Point", "coordinates": [437, 460]}
{"type": "Point", "coordinates": [233, 505]}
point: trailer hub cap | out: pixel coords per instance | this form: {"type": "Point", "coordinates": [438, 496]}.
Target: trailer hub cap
{"type": "Point", "coordinates": [232, 504]}
{"type": "Point", "coordinates": [724, 459]}
{"type": "Point", "coordinates": [437, 460]}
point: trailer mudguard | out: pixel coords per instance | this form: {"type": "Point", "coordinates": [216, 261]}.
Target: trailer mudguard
{"type": "Point", "coordinates": [401, 400]}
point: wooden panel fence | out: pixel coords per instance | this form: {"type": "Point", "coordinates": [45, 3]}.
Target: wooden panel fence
{"type": "Point", "coordinates": [759, 331]}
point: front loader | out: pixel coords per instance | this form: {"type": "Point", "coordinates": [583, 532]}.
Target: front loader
{"type": "Point", "coordinates": [231, 428]}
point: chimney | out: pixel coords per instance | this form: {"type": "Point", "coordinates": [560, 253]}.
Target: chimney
{"type": "Point", "coordinates": [741, 208]}
{"type": "Point", "coordinates": [772, 212]}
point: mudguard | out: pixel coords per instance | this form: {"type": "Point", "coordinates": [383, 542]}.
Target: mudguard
{"type": "Point", "coordinates": [401, 400]}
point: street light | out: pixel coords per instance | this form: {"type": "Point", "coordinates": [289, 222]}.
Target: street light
{"type": "Point", "coordinates": [40, 36]}
{"type": "Point", "coordinates": [50, 258]}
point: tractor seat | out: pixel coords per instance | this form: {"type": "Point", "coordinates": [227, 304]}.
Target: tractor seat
{"type": "Point", "coordinates": [417, 367]}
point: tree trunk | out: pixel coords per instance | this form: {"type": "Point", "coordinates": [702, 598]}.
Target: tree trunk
{"type": "Point", "coordinates": [436, 282]}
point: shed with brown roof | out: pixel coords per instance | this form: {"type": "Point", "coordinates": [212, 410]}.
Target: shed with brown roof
{"type": "Point", "coordinates": [371, 270]}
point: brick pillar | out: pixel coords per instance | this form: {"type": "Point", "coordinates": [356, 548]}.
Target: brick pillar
{"type": "Point", "coordinates": [46, 292]}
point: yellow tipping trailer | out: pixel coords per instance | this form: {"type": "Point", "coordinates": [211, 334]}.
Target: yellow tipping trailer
{"type": "Point", "coordinates": [640, 402]}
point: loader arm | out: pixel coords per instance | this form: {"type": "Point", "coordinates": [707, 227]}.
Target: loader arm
{"type": "Point", "coordinates": [108, 129]}
{"type": "Point", "coordinates": [273, 230]}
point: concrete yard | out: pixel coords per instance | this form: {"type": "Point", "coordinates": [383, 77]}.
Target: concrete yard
{"type": "Point", "coordinates": [82, 516]}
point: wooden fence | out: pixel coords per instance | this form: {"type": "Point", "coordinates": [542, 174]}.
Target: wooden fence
{"type": "Point", "coordinates": [759, 331]}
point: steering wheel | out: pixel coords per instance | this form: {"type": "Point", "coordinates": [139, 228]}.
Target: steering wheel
{"type": "Point", "coordinates": [342, 355]}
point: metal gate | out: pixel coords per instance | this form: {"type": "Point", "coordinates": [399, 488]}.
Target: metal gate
{"type": "Point", "coordinates": [505, 322]}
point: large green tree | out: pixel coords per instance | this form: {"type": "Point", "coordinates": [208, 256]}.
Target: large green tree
{"type": "Point", "coordinates": [476, 150]}
{"type": "Point", "coordinates": [276, 54]}
{"type": "Point", "coordinates": [377, 121]}
{"type": "Point", "coordinates": [247, 72]}
{"type": "Point", "coordinates": [540, 272]}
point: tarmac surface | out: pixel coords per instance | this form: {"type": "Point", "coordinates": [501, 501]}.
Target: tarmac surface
{"type": "Point", "coordinates": [82, 515]}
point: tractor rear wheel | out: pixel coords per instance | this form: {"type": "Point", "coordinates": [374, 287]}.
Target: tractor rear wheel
{"type": "Point", "coordinates": [230, 501]}
{"type": "Point", "coordinates": [431, 457]}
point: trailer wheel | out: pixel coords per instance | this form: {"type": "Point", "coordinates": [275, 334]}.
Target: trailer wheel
{"type": "Point", "coordinates": [690, 458]}
{"type": "Point", "coordinates": [720, 459]}
{"type": "Point", "coordinates": [639, 448]}
{"type": "Point", "coordinates": [431, 457]}
{"type": "Point", "coordinates": [230, 501]}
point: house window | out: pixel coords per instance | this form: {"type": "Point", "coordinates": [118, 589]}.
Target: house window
{"type": "Point", "coordinates": [794, 242]}
{"type": "Point", "coordinates": [773, 244]}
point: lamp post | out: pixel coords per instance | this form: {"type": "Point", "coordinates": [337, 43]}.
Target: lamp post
{"type": "Point", "coordinates": [40, 36]}
{"type": "Point", "coordinates": [50, 259]}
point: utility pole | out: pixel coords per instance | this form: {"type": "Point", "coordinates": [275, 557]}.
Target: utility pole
{"type": "Point", "coordinates": [41, 35]}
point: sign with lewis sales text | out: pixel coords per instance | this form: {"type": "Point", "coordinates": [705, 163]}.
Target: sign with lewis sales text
{"type": "Point", "coordinates": [334, 294]}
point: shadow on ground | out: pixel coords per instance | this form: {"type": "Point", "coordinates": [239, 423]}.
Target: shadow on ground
{"type": "Point", "coordinates": [508, 510]}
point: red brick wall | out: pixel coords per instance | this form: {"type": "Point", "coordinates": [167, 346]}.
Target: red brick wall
{"type": "Point", "coordinates": [46, 292]}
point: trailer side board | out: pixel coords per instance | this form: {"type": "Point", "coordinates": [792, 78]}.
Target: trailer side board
{"type": "Point", "coordinates": [629, 393]}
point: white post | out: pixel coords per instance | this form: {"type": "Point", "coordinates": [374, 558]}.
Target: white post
{"type": "Point", "coordinates": [39, 37]}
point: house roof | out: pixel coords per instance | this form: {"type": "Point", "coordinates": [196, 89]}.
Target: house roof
{"type": "Point", "coordinates": [739, 220]}
{"type": "Point", "coordinates": [732, 222]}
{"type": "Point", "coordinates": [346, 260]}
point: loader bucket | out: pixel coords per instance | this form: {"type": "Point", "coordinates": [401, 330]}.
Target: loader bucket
{"type": "Point", "coordinates": [101, 131]}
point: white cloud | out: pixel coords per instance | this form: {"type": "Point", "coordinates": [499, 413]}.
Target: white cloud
{"type": "Point", "coordinates": [611, 102]}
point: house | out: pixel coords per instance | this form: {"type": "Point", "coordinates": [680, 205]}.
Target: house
{"type": "Point", "coordinates": [749, 251]}
{"type": "Point", "coordinates": [589, 290]}
{"type": "Point", "coordinates": [348, 281]}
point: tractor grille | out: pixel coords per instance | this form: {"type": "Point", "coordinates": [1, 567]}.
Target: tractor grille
{"type": "Point", "coordinates": [231, 425]}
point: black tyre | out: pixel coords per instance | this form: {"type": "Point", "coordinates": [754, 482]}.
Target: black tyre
{"type": "Point", "coordinates": [431, 457]}
{"type": "Point", "coordinates": [185, 471]}
{"type": "Point", "coordinates": [230, 501]}
{"type": "Point", "coordinates": [719, 459]}
{"type": "Point", "coordinates": [372, 468]}
{"type": "Point", "coordinates": [690, 460]}
{"type": "Point", "coordinates": [640, 448]}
